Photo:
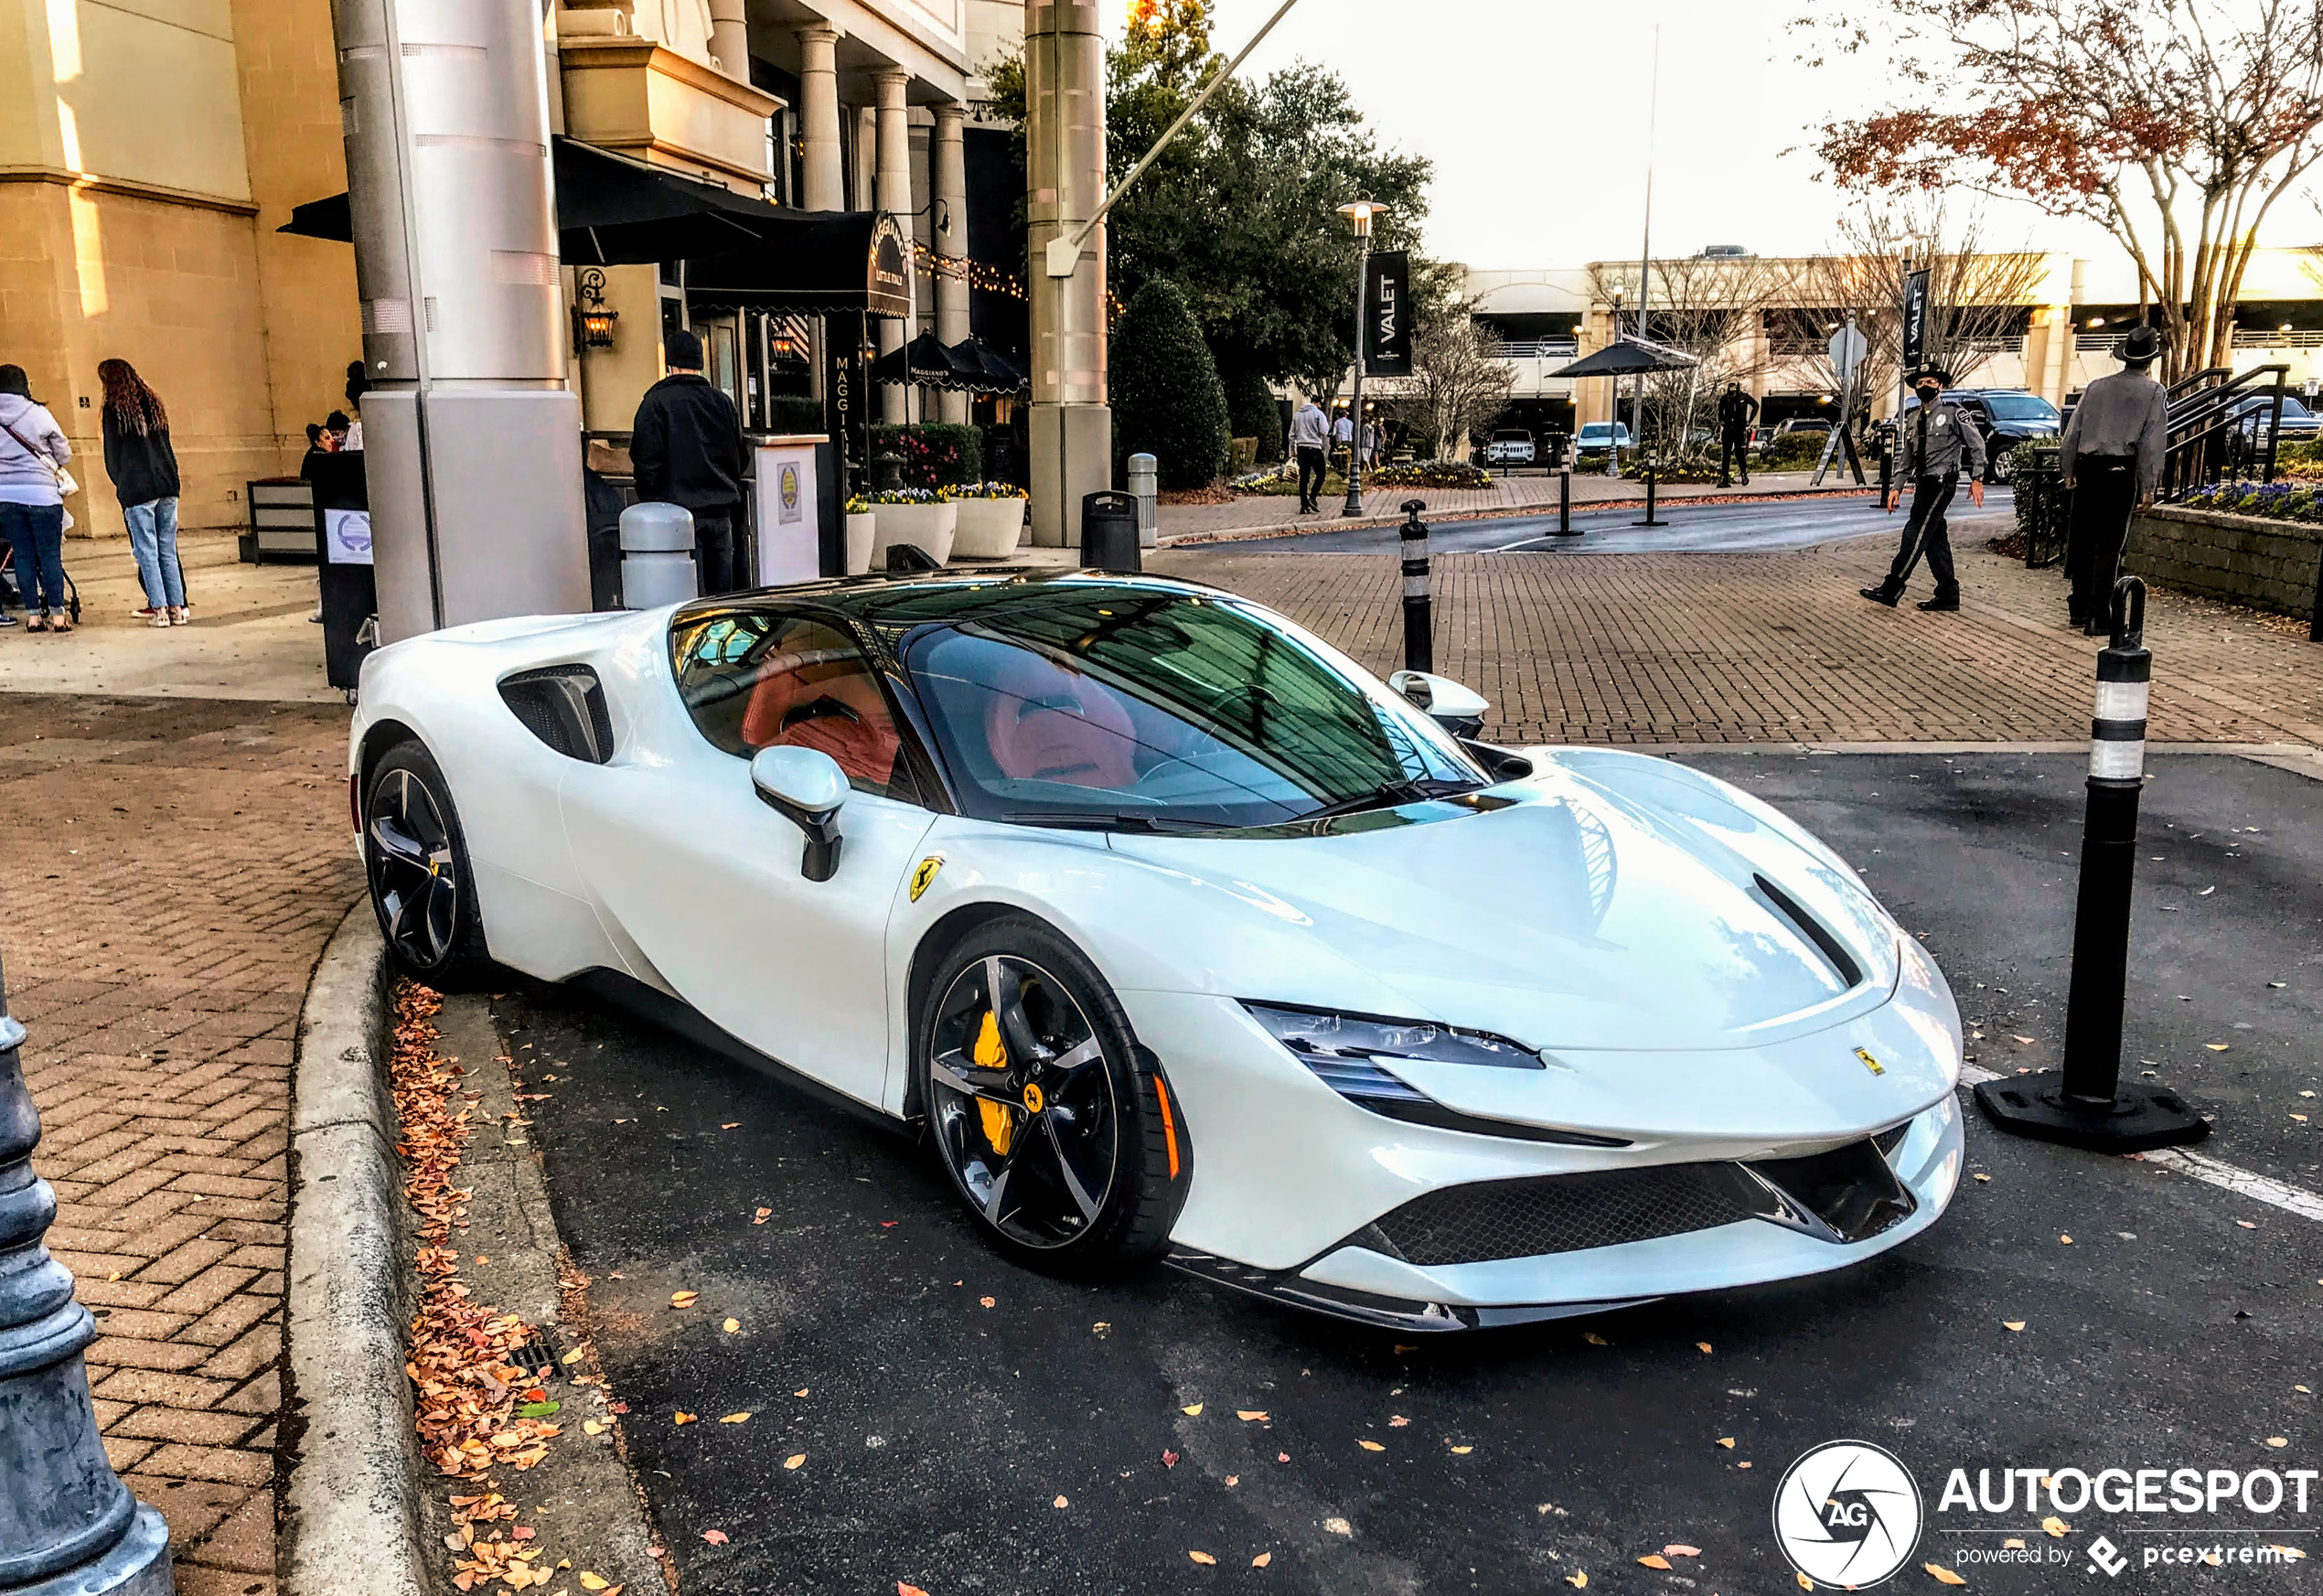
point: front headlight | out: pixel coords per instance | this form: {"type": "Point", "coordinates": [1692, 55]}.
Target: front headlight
{"type": "Point", "coordinates": [1318, 1036]}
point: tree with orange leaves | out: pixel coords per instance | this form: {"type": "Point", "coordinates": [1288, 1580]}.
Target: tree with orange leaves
{"type": "Point", "coordinates": [2174, 125]}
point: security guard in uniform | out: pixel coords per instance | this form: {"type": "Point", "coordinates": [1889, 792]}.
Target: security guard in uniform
{"type": "Point", "coordinates": [2112, 459]}
{"type": "Point", "coordinates": [1931, 443]}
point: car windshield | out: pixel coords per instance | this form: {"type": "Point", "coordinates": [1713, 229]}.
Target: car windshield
{"type": "Point", "coordinates": [1599, 430]}
{"type": "Point", "coordinates": [2029, 407]}
{"type": "Point", "coordinates": [1112, 705]}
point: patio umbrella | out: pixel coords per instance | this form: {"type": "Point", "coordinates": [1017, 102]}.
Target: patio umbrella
{"type": "Point", "coordinates": [1629, 358]}
{"type": "Point", "coordinates": [926, 361]}
{"type": "Point", "coordinates": [995, 373]}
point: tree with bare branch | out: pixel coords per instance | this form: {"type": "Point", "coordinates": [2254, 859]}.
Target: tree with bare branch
{"type": "Point", "coordinates": [1708, 307]}
{"type": "Point", "coordinates": [2174, 125]}
{"type": "Point", "coordinates": [1976, 295]}
{"type": "Point", "coordinates": [1458, 386]}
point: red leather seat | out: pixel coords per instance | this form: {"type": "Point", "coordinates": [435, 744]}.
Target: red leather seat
{"type": "Point", "coordinates": [815, 699]}
{"type": "Point", "coordinates": [1048, 723]}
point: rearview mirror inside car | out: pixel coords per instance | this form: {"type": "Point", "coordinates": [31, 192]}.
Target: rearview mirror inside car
{"type": "Point", "coordinates": [806, 787]}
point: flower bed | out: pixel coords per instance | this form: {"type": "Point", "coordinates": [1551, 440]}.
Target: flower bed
{"type": "Point", "coordinates": [1431, 474]}
{"type": "Point", "coordinates": [2275, 501]}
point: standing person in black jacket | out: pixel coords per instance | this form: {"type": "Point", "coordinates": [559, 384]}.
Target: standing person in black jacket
{"type": "Point", "coordinates": [686, 447]}
{"type": "Point", "coordinates": [1736, 409]}
{"type": "Point", "coordinates": [144, 469]}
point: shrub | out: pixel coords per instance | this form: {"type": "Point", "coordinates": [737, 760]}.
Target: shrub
{"type": "Point", "coordinates": [1252, 412]}
{"type": "Point", "coordinates": [936, 454]}
{"type": "Point", "coordinates": [1431, 474]}
{"type": "Point", "coordinates": [1167, 399]}
{"type": "Point", "coordinates": [794, 413]}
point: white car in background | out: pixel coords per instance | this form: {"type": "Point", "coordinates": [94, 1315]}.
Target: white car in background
{"type": "Point", "coordinates": [1510, 446]}
{"type": "Point", "coordinates": [1176, 934]}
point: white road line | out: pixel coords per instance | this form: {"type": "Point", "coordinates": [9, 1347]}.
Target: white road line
{"type": "Point", "coordinates": [2201, 1166]}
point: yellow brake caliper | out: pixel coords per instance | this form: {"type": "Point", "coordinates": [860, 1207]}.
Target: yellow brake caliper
{"type": "Point", "coordinates": [999, 1124]}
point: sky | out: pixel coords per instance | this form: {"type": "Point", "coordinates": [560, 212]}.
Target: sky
{"type": "Point", "coordinates": [1535, 114]}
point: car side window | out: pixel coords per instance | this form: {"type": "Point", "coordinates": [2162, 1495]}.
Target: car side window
{"type": "Point", "coordinates": [762, 678]}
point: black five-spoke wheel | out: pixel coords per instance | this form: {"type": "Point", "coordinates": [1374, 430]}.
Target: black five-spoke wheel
{"type": "Point", "coordinates": [1052, 1133]}
{"type": "Point", "coordinates": [418, 868]}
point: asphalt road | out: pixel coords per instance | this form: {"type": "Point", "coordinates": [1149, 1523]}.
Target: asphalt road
{"type": "Point", "coordinates": [1693, 528]}
{"type": "Point", "coordinates": [944, 1400]}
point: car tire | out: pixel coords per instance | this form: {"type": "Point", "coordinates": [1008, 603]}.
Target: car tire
{"type": "Point", "coordinates": [415, 859]}
{"type": "Point", "coordinates": [1997, 474]}
{"type": "Point", "coordinates": [1055, 1128]}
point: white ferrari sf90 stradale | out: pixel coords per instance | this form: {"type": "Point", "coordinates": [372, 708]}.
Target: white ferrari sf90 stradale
{"type": "Point", "coordinates": [1179, 935]}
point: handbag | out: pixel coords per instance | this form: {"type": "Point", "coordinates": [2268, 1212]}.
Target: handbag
{"type": "Point", "coordinates": [66, 486]}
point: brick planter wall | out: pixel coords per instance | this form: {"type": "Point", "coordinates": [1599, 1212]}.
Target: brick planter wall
{"type": "Point", "coordinates": [2267, 564]}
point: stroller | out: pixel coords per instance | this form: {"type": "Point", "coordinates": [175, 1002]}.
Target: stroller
{"type": "Point", "coordinates": [12, 588]}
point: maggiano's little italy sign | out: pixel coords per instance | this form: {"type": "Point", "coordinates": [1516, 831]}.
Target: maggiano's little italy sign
{"type": "Point", "coordinates": [1850, 1515]}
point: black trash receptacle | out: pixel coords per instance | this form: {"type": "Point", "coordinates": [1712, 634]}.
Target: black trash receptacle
{"type": "Point", "coordinates": [1110, 532]}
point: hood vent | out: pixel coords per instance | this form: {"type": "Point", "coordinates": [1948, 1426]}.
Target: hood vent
{"type": "Point", "coordinates": [1850, 973]}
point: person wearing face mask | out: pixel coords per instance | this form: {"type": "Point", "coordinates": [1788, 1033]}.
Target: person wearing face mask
{"type": "Point", "coordinates": [1932, 441]}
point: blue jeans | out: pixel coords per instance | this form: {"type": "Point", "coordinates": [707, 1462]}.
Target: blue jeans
{"type": "Point", "coordinates": [153, 536]}
{"type": "Point", "coordinates": [37, 532]}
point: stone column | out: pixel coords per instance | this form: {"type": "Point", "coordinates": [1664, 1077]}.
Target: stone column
{"type": "Point", "coordinates": [892, 192]}
{"type": "Point", "coordinates": [822, 186]}
{"type": "Point", "coordinates": [947, 165]}
{"type": "Point", "coordinates": [1072, 426]}
{"type": "Point", "coordinates": [730, 39]}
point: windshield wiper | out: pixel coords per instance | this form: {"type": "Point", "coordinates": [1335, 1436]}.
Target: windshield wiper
{"type": "Point", "coordinates": [1416, 789]}
{"type": "Point", "coordinates": [1095, 820]}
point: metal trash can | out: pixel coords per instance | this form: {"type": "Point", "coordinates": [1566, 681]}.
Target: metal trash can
{"type": "Point", "coordinates": [657, 556]}
{"type": "Point", "coordinates": [1110, 532]}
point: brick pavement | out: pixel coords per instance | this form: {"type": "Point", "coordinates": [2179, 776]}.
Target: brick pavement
{"type": "Point", "coordinates": [1766, 648]}
{"type": "Point", "coordinates": [173, 868]}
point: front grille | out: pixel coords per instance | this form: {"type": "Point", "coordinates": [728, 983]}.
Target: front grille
{"type": "Point", "coordinates": [1543, 1213]}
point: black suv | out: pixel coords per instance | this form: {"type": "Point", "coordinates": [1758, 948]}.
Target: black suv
{"type": "Point", "coordinates": [2006, 416]}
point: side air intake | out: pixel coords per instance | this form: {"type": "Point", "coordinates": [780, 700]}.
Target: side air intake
{"type": "Point", "coordinates": [565, 706]}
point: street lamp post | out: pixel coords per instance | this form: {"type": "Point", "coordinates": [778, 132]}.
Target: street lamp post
{"type": "Point", "coordinates": [67, 1524]}
{"type": "Point", "coordinates": [1358, 213]}
{"type": "Point", "coordinates": [1613, 399]}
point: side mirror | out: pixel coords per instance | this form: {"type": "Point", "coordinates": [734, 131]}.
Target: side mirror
{"type": "Point", "coordinates": [1449, 704]}
{"type": "Point", "coordinates": [806, 787]}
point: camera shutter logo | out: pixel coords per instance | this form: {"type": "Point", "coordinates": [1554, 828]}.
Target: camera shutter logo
{"type": "Point", "coordinates": [1848, 1514]}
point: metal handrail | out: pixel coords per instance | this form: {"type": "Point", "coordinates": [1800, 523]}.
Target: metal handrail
{"type": "Point", "coordinates": [2208, 437]}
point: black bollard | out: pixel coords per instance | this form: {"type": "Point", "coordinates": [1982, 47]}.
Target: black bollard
{"type": "Point", "coordinates": [67, 1524]}
{"type": "Point", "coordinates": [2085, 1104]}
{"type": "Point", "coordinates": [1420, 645]}
{"type": "Point", "coordinates": [1565, 504]}
{"type": "Point", "coordinates": [1652, 477]}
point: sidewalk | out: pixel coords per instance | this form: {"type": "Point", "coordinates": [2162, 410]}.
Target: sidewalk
{"type": "Point", "coordinates": [1261, 515]}
{"type": "Point", "coordinates": [173, 868]}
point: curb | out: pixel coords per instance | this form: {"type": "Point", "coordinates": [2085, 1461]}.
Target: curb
{"type": "Point", "coordinates": [1493, 513]}
{"type": "Point", "coordinates": [351, 1509]}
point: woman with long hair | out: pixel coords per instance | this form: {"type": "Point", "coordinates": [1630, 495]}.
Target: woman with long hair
{"type": "Point", "coordinates": [32, 505]}
{"type": "Point", "coordinates": [144, 469]}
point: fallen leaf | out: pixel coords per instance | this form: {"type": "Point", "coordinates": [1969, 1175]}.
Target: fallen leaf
{"type": "Point", "coordinates": [1654, 1560]}
{"type": "Point", "coordinates": [987, 1302]}
{"type": "Point", "coordinates": [683, 1299]}
{"type": "Point", "coordinates": [1284, 1457]}
{"type": "Point", "coordinates": [2012, 1324]}
{"type": "Point", "coordinates": [1060, 1502]}
{"type": "Point", "coordinates": [685, 1418]}
{"type": "Point", "coordinates": [2215, 1047]}
{"type": "Point", "coordinates": [2025, 1040]}
{"type": "Point", "coordinates": [801, 1391]}
{"type": "Point", "coordinates": [1577, 1580]}
{"type": "Point", "coordinates": [576, 1354]}
{"type": "Point", "coordinates": [1703, 1344]}
{"type": "Point", "coordinates": [2277, 1441]}
{"type": "Point", "coordinates": [1594, 1339]}
{"type": "Point", "coordinates": [735, 1418]}
{"type": "Point", "coordinates": [794, 1459]}
{"type": "Point", "coordinates": [762, 1216]}
{"type": "Point", "coordinates": [1805, 1584]}
{"type": "Point", "coordinates": [591, 1582]}
{"type": "Point", "coordinates": [1371, 1446]}
{"type": "Point", "coordinates": [1205, 1558]}
{"type": "Point", "coordinates": [1232, 1480]}
{"type": "Point", "coordinates": [1461, 1451]}
{"type": "Point", "coordinates": [1250, 1415]}
{"type": "Point", "coordinates": [714, 1537]}
{"type": "Point", "coordinates": [1726, 1442]}
{"type": "Point", "coordinates": [2013, 1544]}
{"type": "Point", "coordinates": [2246, 1224]}
{"type": "Point", "coordinates": [1985, 1180]}
{"type": "Point", "coordinates": [1398, 1422]}
{"type": "Point", "coordinates": [1942, 1575]}
{"type": "Point", "coordinates": [1742, 1465]}
{"type": "Point", "coordinates": [2066, 1240]}
{"type": "Point", "coordinates": [730, 1125]}
{"type": "Point", "coordinates": [591, 1427]}
{"type": "Point", "coordinates": [1194, 1411]}
{"type": "Point", "coordinates": [1262, 1559]}
{"type": "Point", "coordinates": [2056, 1529]}
{"type": "Point", "coordinates": [904, 1589]}
{"type": "Point", "coordinates": [1338, 1526]}
{"type": "Point", "coordinates": [1401, 1349]}
{"type": "Point", "coordinates": [1681, 1550]}
{"type": "Point", "coordinates": [1169, 1459]}
{"type": "Point", "coordinates": [732, 1325]}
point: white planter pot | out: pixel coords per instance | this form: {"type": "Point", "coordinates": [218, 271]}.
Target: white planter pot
{"type": "Point", "coordinates": [863, 531]}
{"type": "Point", "coordinates": [989, 529]}
{"type": "Point", "coordinates": [928, 526]}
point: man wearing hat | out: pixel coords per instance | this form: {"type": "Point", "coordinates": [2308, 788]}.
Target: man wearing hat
{"type": "Point", "coordinates": [686, 447]}
{"type": "Point", "coordinates": [2112, 460]}
{"type": "Point", "coordinates": [1931, 443]}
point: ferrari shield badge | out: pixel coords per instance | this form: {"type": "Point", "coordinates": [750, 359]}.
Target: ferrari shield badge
{"type": "Point", "coordinates": [1869, 1063]}
{"type": "Point", "coordinates": [924, 872]}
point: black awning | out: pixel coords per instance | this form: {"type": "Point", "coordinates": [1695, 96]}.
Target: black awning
{"type": "Point", "coordinates": [1628, 358]}
{"type": "Point", "coordinates": [924, 361]}
{"type": "Point", "coordinates": [615, 211]}
{"type": "Point", "coordinates": [858, 261]}
{"type": "Point", "coordinates": [998, 372]}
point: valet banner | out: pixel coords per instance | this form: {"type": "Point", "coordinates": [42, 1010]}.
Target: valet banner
{"type": "Point", "coordinates": [1386, 308]}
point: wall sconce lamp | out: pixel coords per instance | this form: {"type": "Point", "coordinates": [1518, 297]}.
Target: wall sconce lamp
{"type": "Point", "coordinates": [592, 319]}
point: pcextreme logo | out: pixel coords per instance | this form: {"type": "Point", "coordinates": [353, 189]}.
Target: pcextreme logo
{"type": "Point", "coordinates": [1848, 1514]}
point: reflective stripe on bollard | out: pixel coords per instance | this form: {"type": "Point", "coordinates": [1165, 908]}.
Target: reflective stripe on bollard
{"type": "Point", "coordinates": [1420, 651]}
{"type": "Point", "coordinates": [2085, 1104]}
